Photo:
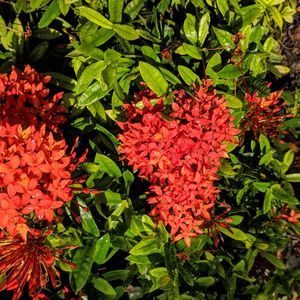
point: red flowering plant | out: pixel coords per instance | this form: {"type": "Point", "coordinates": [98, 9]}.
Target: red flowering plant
{"type": "Point", "coordinates": [180, 155]}
{"type": "Point", "coordinates": [35, 179]}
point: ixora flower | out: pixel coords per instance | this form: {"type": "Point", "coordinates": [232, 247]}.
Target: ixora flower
{"type": "Point", "coordinates": [35, 168]}
{"type": "Point", "coordinates": [29, 262]}
{"type": "Point", "coordinates": [265, 115]}
{"type": "Point", "coordinates": [179, 152]}
{"type": "Point", "coordinates": [35, 174]}
{"type": "Point", "coordinates": [25, 100]}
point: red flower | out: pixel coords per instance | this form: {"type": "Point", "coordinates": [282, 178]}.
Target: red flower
{"type": "Point", "coordinates": [179, 155]}
{"type": "Point", "coordinates": [265, 115]}
{"type": "Point", "coordinates": [25, 100]}
{"type": "Point", "coordinates": [29, 262]}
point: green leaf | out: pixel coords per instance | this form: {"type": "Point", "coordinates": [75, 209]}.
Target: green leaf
{"type": "Point", "coordinates": [91, 94]}
{"type": "Point", "coordinates": [112, 198]}
{"type": "Point", "coordinates": [88, 75]}
{"type": "Point", "coordinates": [153, 78]}
{"type": "Point", "coordinates": [284, 196]}
{"type": "Point", "coordinates": [149, 51]}
{"type": "Point", "coordinates": [38, 52]}
{"type": "Point", "coordinates": [261, 186]}
{"type": "Point", "coordinates": [250, 14]}
{"type": "Point", "coordinates": [87, 221]}
{"type": "Point", "coordinates": [273, 260]}
{"type": "Point", "coordinates": [234, 233]}
{"type": "Point", "coordinates": [295, 177]}
{"type": "Point", "coordinates": [46, 33]}
{"type": "Point", "coordinates": [94, 16]}
{"type": "Point", "coordinates": [133, 8]}
{"type": "Point", "coordinates": [233, 101]}
{"type": "Point", "coordinates": [288, 159]}
{"type": "Point", "coordinates": [230, 72]}
{"type": "Point", "coordinates": [276, 16]}
{"type": "Point", "coordinates": [187, 75]}
{"type": "Point", "coordinates": [192, 51]}
{"type": "Point", "coordinates": [203, 28]}
{"type": "Point", "coordinates": [223, 7]}
{"type": "Point", "coordinates": [268, 199]}
{"type": "Point", "coordinates": [205, 281]}
{"type": "Point", "coordinates": [264, 144]}
{"type": "Point", "coordinates": [236, 219]}
{"type": "Point", "coordinates": [169, 76]}
{"type": "Point", "coordinates": [126, 32]}
{"type": "Point", "coordinates": [97, 110]}
{"type": "Point", "coordinates": [103, 286]}
{"type": "Point", "coordinates": [63, 81]}
{"type": "Point", "coordinates": [148, 36]}
{"type": "Point", "coordinates": [148, 245]}
{"type": "Point", "coordinates": [115, 8]}
{"type": "Point", "coordinates": [3, 30]}
{"type": "Point", "coordinates": [51, 13]}
{"type": "Point", "coordinates": [83, 259]}
{"type": "Point", "coordinates": [108, 166]}
{"type": "Point", "coordinates": [189, 28]}
{"type": "Point", "coordinates": [266, 159]}
{"type": "Point", "coordinates": [224, 38]}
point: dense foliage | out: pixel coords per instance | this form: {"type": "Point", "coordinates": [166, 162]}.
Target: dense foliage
{"type": "Point", "coordinates": [147, 150]}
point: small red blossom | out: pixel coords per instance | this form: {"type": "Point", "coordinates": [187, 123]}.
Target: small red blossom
{"type": "Point", "coordinates": [180, 155]}
{"type": "Point", "coordinates": [25, 100]}
{"type": "Point", "coordinates": [290, 215]}
{"type": "Point", "coordinates": [29, 262]}
{"type": "Point", "coordinates": [265, 115]}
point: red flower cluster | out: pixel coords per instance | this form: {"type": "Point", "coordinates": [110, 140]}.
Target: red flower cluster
{"type": "Point", "coordinates": [24, 99]}
{"type": "Point", "coordinates": [265, 115]}
{"type": "Point", "coordinates": [29, 262]}
{"type": "Point", "coordinates": [35, 179]}
{"type": "Point", "coordinates": [179, 152]}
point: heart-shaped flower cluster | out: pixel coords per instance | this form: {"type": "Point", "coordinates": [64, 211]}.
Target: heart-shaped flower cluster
{"type": "Point", "coordinates": [178, 148]}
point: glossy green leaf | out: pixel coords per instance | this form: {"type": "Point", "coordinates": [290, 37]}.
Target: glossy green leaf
{"type": "Point", "coordinates": [189, 28]}
{"type": "Point", "coordinates": [64, 7]}
{"type": "Point", "coordinates": [203, 28]}
{"type": "Point", "coordinates": [236, 219]}
{"type": "Point", "coordinates": [38, 51]}
{"type": "Point", "coordinates": [148, 245]}
{"type": "Point", "coordinates": [295, 177]}
{"type": "Point", "coordinates": [224, 38]}
{"type": "Point", "coordinates": [126, 32]}
{"type": "Point", "coordinates": [88, 75]}
{"type": "Point", "coordinates": [103, 286]}
{"type": "Point", "coordinates": [63, 81]}
{"type": "Point", "coordinates": [46, 33]}
{"type": "Point", "coordinates": [187, 75]}
{"type": "Point", "coordinates": [83, 259]}
{"type": "Point", "coordinates": [264, 143]}
{"type": "Point", "coordinates": [268, 199]}
{"type": "Point", "coordinates": [205, 281]}
{"type": "Point", "coordinates": [91, 94]}
{"type": "Point", "coordinates": [234, 233]}
{"type": "Point", "coordinates": [191, 50]}
{"type": "Point", "coordinates": [148, 36]}
{"type": "Point", "coordinates": [97, 110]}
{"type": "Point", "coordinates": [115, 8]}
{"type": "Point", "coordinates": [250, 14]}
{"type": "Point", "coordinates": [169, 76]}
{"type": "Point", "coordinates": [230, 72]}
{"type": "Point", "coordinates": [149, 52]}
{"type": "Point", "coordinates": [50, 14]}
{"type": "Point", "coordinates": [276, 16]}
{"type": "Point", "coordinates": [223, 7]}
{"type": "Point", "coordinates": [133, 8]}
{"type": "Point", "coordinates": [94, 16]}
{"type": "Point", "coordinates": [273, 260]}
{"type": "Point", "coordinates": [107, 165]}
{"type": "Point", "coordinates": [87, 221]}
{"type": "Point", "coordinates": [284, 196]}
{"type": "Point", "coordinates": [233, 101]}
{"type": "Point", "coordinates": [153, 78]}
